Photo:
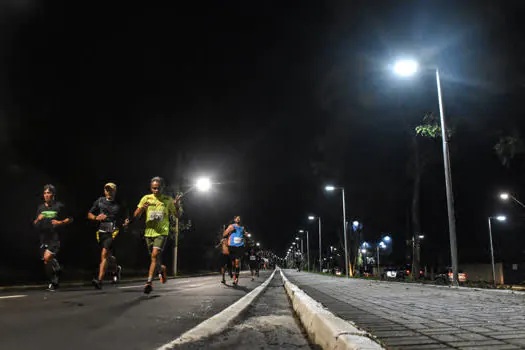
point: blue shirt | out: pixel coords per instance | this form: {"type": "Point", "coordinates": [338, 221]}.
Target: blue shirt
{"type": "Point", "coordinates": [237, 236]}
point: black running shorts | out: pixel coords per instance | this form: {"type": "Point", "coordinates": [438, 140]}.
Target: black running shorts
{"type": "Point", "coordinates": [236, 252]}
{"type": "Point", "coordinates": [105, 240]}
{"type": "Point", "coordinates": [53, 246]}
{"type": "Point", "coordinates": [225, 260]}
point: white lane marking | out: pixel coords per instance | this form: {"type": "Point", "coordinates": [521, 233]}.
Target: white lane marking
{"type": "Point", "coordinates": [141, 286]}
{"type": "Point", "coordinates": [13, 296]}
{"type": "Point", "coordinates": [218, 322]}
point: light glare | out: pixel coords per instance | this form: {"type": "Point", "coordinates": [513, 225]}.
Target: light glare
{"type": "Point", "coordinates": [501, 218]}
{"type": "Point", "coordinates": [406, 68]}
{"type": "Point", "coordinates": [203, 184]}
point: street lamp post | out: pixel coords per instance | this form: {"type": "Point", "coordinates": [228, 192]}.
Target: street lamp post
{"type": "Point", "coordinates": [506, 196]}
{"type": "Point", "coordinates": [320, 255]}
{"type": "Point", "coordinates": [331, 188]}
{"type": "Point", "coordinates": [499, 218]}
{"type": "Point", "coordinates": [307, 248]}
{"type": "Point", "coordinates": [407, 68]}
{"type": "Point", "coordinates": [202, 184]}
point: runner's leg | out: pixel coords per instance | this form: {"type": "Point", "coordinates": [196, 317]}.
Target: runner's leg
{"type": "Point", "coordinates": [52, 268]}
{"type": "Point", "coordinates": [103, 263]}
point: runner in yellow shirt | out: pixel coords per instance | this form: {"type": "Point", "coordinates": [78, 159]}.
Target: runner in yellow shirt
{"type": "Point", "coordinates": [158, 208]}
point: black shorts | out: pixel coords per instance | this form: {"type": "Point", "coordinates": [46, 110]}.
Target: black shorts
{"type": "Point", "coordinates": [236, 252]}
{"type": "Point", "coordinates": [105, 240]}
{"type": "Point", "coordinates": [254, 265]}
{"type": "Point", "coordinates": [225, 260]}
{"type": "Point", "coordinates": [53, 246]}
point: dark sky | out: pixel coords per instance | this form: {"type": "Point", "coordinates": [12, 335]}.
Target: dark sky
{"type": "Point", "coordinates": [272, 99]}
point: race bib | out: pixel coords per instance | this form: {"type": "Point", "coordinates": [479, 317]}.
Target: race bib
{"type": "Point", "coordinates": [237, 240]}
{"type": "Point", "coordinates": [252, 257]}
{"type": "Point", "coordinates": [156, 215]}
{"type": "Point", "coordinates": [108, 226]}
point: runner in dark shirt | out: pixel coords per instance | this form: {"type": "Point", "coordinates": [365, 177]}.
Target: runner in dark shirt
{"type": "Point", "coordinates": [49, 216]}
{"type": "Point", "coordinates": [110, 216]}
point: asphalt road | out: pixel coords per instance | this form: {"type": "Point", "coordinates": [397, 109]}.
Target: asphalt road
{"type": "Point", "coordinates": [115, 317]}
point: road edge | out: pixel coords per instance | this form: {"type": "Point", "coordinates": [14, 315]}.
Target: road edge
{"type": "Point", "coordinates": [220, 321]}
{"type": "Point", "coordinates": [323, 327]}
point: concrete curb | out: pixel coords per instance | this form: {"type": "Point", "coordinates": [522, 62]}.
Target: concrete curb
{"type": "Point", "coordinates": [218, 322]}
{"type": "Point", "coordinates": [323, 327]}
{"type": "Point", "coordinates": [66, 285]}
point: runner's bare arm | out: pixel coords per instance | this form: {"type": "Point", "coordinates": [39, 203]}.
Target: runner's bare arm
{"type": "Point", "coordinates": [228, 231]}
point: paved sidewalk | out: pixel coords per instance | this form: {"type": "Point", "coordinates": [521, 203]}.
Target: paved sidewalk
{"type": "Point", "coordinates": [411, 316]}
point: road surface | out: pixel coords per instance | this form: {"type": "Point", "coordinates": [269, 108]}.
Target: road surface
{"type": "Point", "coordinates": [115, 317]}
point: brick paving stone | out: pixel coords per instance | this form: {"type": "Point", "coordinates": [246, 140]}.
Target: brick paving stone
{"type": "Point", "coordinates": [491, 347]}
{"type": "Point", "coordinates": [412, 316]}
{"type": "Point", "coordinates": [513, 335]}
{"type": "Point", "coordinates": [447, 338]}
{"type": "Point", "coordinates": [520, 342]}
{"type": "Point", "coordinates": [421, 347]}
{"type": "Point", "coordinates": [472, 336]}
{"type": "Point", "coordinates": [460, 344]}
{"type": "Point", "coordinates": [420, 340]}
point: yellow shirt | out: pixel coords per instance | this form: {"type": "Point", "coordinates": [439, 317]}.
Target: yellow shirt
{"type": "Point", "coordinates": [157, 214]}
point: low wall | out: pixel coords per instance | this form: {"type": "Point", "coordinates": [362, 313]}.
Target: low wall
{"type": "Point", "coordinates": [483, 272]}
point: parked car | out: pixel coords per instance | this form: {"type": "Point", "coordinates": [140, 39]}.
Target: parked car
{"type": "Point", "coordinates": [391, 273]}
{"type": "Point", "coordinates": [445, 276]}
{"type": "Point", "coordinates": [406, 271]}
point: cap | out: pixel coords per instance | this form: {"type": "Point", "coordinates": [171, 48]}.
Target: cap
{"type": "Point", "coordinates": [111, 185]}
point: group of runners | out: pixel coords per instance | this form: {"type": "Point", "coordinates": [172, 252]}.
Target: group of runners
{"type": "Point", "coordinates": [111, 216]}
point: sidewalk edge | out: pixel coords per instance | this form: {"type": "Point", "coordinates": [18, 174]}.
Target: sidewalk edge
{"type": "Point", "coordinates": [323, 327]}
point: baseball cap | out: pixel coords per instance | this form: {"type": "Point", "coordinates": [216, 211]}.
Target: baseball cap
{"type": "Point", "coordinates": [111, 185]}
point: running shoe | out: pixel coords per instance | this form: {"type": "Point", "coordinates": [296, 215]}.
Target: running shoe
{"type": "Point", "coordinates": [162, 274]}
{"type": "Point", "coordinates": [117, 274]}
{"type": "Point", "coordinates": [148, 287]}
{"type": "Point", "coordinates": [96, 283]}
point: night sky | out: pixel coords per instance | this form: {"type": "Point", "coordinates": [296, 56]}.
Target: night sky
{"type": "Point", "coordinates": [271, 99]}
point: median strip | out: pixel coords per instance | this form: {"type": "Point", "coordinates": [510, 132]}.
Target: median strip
{"type": "Point", "coordinates": [323, 327]}
{"type": "Point", "coordinates": [219, 322]}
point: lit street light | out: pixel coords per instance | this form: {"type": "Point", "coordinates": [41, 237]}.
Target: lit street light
{"type": "Point", "coordinates": [202, 184]}
{"type": "Point", "coordinates": [407, 68]}
{"type": "Point", "coordinates": [505, 196]}
{"type": "Point", "coordinates": [332, 188]}
{"type": "Point", "coordinates": [499, 218]}
{"type": "Point", "coordinates": [311, 217]}
{"type": "Point", "coordinates": [383, 245]}
{"type": "Point", "coordinates": [307, 248]}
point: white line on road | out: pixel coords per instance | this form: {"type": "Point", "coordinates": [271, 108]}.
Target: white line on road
{"type": "Point", "coordinates": [13, 296]}
{"type": "Point", "coordinates": [140, 286]}
{"type": "Point", "coordinates": [219, 322]}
